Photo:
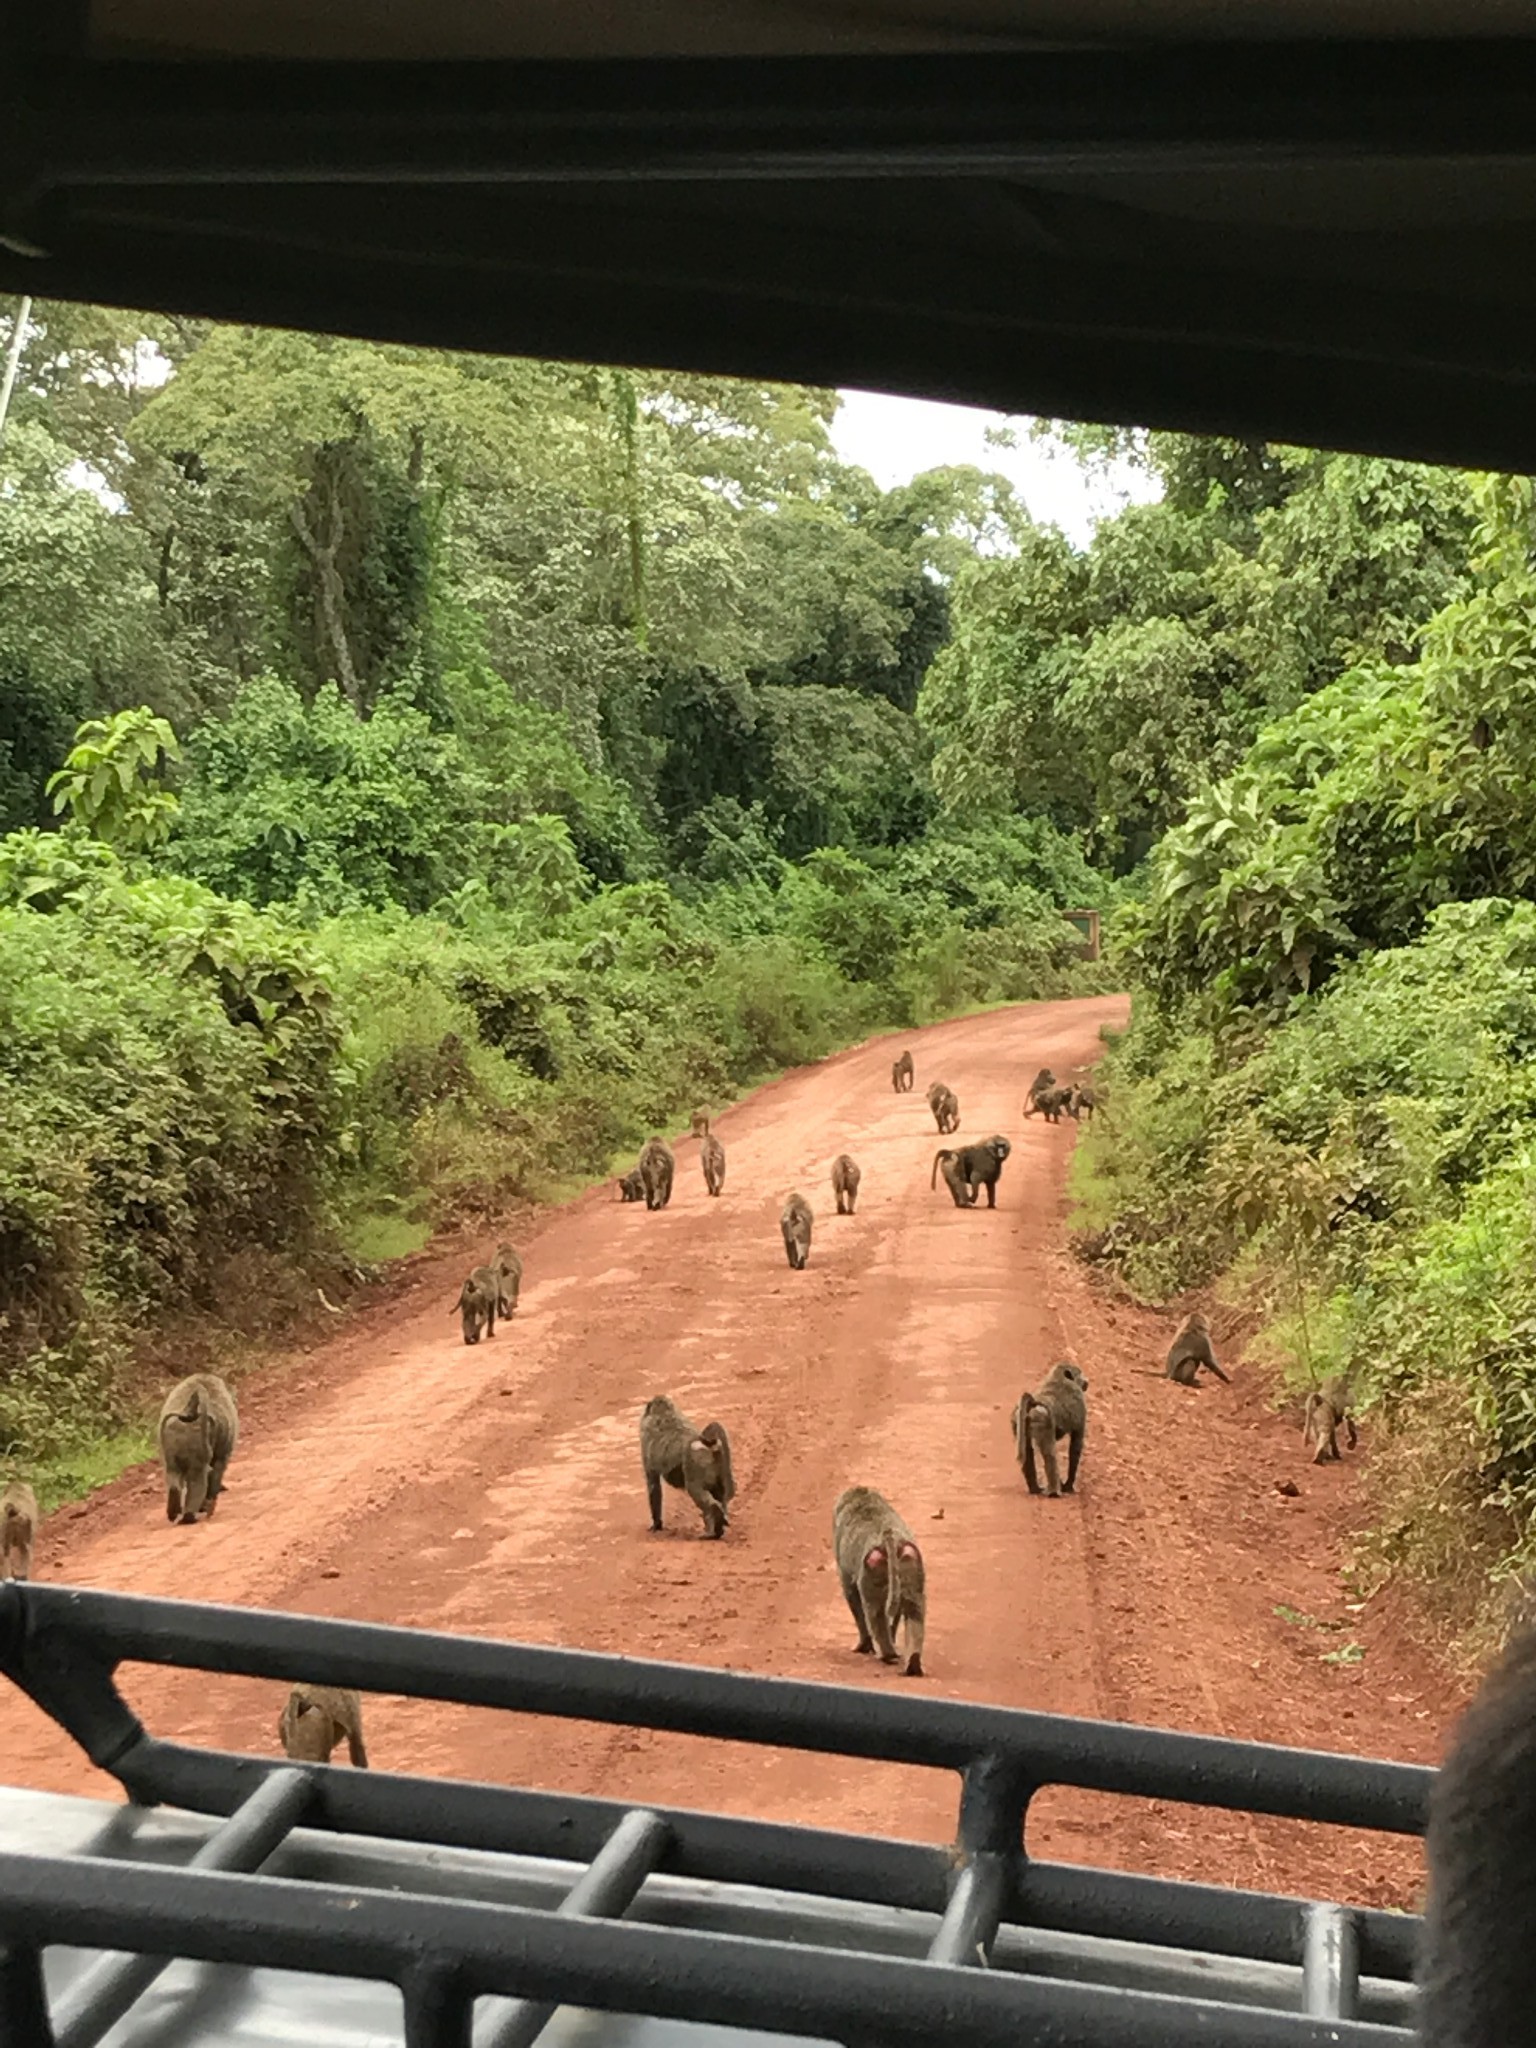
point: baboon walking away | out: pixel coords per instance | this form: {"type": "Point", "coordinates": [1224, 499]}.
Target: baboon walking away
{"type": "Point", "coordinates": [881, 1569]}
{"type": "Point", "coordinates": [1059, 1408]}
{"type": "Point", "coordinates": [712, 1159]}
{"type": "Point", "coordinates": [795, 1220]}
{"type": "Point", "coordinates": [698, 1124]}
{"type": "Point", "coordinates": [198, 1427]}
{"type": "Point", "coordinates": [902, 1073]}
{"type": "Point", "coordinates": [697, 1460]}
{"type": "Point", "coordinates": [316, 1718]}
{"type": "Point", "coordinates": [845, 1183]}
{"type": "Point", "coordinates": [970, 1168]}
{"type": "Point", "coordinates": [508, 1269]}
{"type": "Point", "coordinates": [656, 1169]}
{"type": "Point", "coordinates": [478, 1303]}
{"type": "Point", "coordinates": [1190, 1350]}
{"type": "Point", "coordinates": [18, 1530]}
{"type": "Point", "coordinates": [1327, 1411]}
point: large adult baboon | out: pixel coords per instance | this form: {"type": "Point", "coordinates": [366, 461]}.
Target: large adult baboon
{"type": "Point", "coordinates": [316, 1718]}
{"type": "Point", "coordinates": [18, 1529]}
{"type": "Point", "coordinates": [656, 1169]}
{"type": "Point", "coordinates": [697, 1460]}
{"type": "Point", "coordinates": [198, 1427]}
{"type": "Point", "coordinates": [1057, 1409]}
{"type": "Point", "coordinates": [1042, 1084]}
{"type": "Point", "coordinates": [902, 1073]}
{"type": "Point", "coordinates": [479, 1303]}
{"type": "Point", "coordinates": [970, 1168]}
{"type": "Point", "coordinates": [1477, 1959]}
{"type": "Point", "coordinates": [945, 1105]}
{"type": "Point", "coordinates": [712, 1159]}
{"type": "Point", "coordinates": [881, 1569]}
{"type": "Point", "coordinates": [845, 1183]}
{"type": "Point", "coordinates": [795, 1220]}
{"type": "Point", "coordinates": [508, 1268]}
{"type": "Point", "coordinates": [1190, 1350]}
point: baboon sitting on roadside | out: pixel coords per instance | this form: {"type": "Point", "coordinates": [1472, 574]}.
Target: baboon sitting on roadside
{"type": "Point", "coordinates": [1477, 1962]}
{"type": "Point", "coordinates": [1042, 1084]}
{"type": "Point", "coordinates": [508, 1269]}
{"type": "Point", "coordinates": [1190, 1350]}
{"type": "Point", "coordinates": [712, 1159]}
{"type": "Point", "coordinates": [1328, 1408]}
{"type": "Point", "coordinates": [1058, 1409]}
{"type": "Point", "coordinates": [970, 1168]}
{"type": "Point", "coordinates": [795, 1220]}
{"type": "Point", "coordinates": [845, 1183]}
{"type": "Point", "coordinates": [198, 1427]}
{"type": "Point", "coordinates": [881, 1569]}
{"type": "Point", "coordinates": [631, 1186]}
{"type": "Point", "coordinates": [656, 1169]}
{"type": "Point", "coordinates": [698, 1124]}
{"type": "Point", "coordinates": [902, 1073]}
{"type": "Point", "coordinates": [697, 1460]}
{"type": "Point", "coordinates": [315, 1720]}
{"type": "Point", "coordinates": [945, 1105]}
{"type": "Point", "coordinates": [479, 1299]}
{"type": "Point", "coordinates": [18, 1530]}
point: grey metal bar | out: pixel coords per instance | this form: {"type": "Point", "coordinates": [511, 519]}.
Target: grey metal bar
{"type": "Point", "coordinates": [602, 1892]}
{"type": "Point", "coordinates": [23, 2002]}
{"type": "Point", "coordinates": [1330, 1964]}
{"type": "Point", "coordinates": [104, 1993]}
{"type": "Point", "coordinates": [969, 1926]}
{"type": "Point", "coordinates": [438, 2009]}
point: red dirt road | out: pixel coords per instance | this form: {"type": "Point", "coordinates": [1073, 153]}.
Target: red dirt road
{"type": "Point", "coordinates": [397, 1476]}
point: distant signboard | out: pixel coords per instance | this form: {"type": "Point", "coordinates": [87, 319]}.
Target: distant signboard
{"type": "Point", "coordinates": [1086, 922]}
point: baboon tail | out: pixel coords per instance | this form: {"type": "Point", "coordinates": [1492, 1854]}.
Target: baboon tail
{"type": "Point", "coordinates": [943, 1152]}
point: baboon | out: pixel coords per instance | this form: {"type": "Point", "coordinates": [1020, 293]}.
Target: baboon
{"type": "Point", "coordinates": [1327, 1410]}
{"type": "Point", "coordinates": [656, 1167]}
{"type": "Point", "coordinates": [1191, 1349]}
{"type": "Point", "coordinates": [845, 1183]}
{"type": "Point", "coordinates": [315, 1720]}
{"type": "Point", "coordinates": [1059, 1408]}
{"type": "Point", "coordinates": [18, 1530]}
{"type": "Point", "coordinates": [945, 1105]}
{"type": "Point", "coordinates": [1477, 1962]}
{"type": "Point", "coordinates": [479, 1299]}
{"type": "Point", "coordinates": [970, 1168]}
{"type": "Point", "coordinates": [881, 1569]}
{"type": "Point", "coordinates": [198, 1427]}
{"type": "Point", "coordinates": [712, 1159]}
{"type": "Point", "coordinates": [698, 1124]}
{"type": "Point", "coordinates": [631, 1186]}
{"type": "Point", "coordinates": [509, 1279]}
{"type": "Point", "coordinates": [1082, 1099]}
{"type": "Point", "coordinates": [795, 1220]}
{"type": "Point", "coordinates": [1052, 1101]}
{"type": "Point", "coordinates": [1042, 1084]}
{"type": "Point", "coordinates": [902, 1073]}
{"type": "Point", "coordinates": [698, 1460]}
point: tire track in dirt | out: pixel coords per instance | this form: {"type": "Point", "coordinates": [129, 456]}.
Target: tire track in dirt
{"type": "Point", "coordinates": [396, 1475]}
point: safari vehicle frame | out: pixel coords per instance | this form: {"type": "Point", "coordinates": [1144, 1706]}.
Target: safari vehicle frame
{"type": "Point", "coordinates": [738, 1924]}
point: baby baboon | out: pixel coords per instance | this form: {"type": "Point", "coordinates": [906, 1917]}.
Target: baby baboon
{"type": "Point", "coordinates": [1328, 1408]}
{"type": "Point", "coordinates": [1042, 1084]}
{"type": "Point", "coordinates": [1477, 1962]}
{"type": "Point", "coordinates": [198, 1427]}
{"type": "Point", "coordinates": [18, 1530]}
{"type": "Point", "coordinates": [902, 1073]}
{"type": "Point", "coordinates": [945, 1105]}
{"type": "Point", "coordinates": [845, 1183]}
{"type": "Point", "coordinates": [314, 1721]}
{"type": "Point", "coordinates": [509, 1279]}
{"type": "Point", "coordinates": [479, 1299]}
{"type": "Point", "coordinates": [1083, 1099]}
{"type": "Point", "coordinates": [972, 1167]}
{"type": "Point", "coordinates": [1058, 1409]}
{"type": "Point", "coordinates": [712, 1159]}
{"type": "Point", "coordinates": [881, 1569]}
{"type": "Point", "coordinates": [795, 1220]}
{"type": "Point", "coordinates": [698, 1124]}
{"type": "Point", "coordinates": [1191, 1349]}
{"type": "Point", "coordinates": [656, 1167]}
{"type": "Point", "coordinates": [699, 1460]}
{"type": "Point", "coordinates": [631, 1186]}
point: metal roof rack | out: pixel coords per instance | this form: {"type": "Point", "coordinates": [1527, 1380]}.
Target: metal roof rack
{"type": "Point", "coordinates": [1246, 1969]}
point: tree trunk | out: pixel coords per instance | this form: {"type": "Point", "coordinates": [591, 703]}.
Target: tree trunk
{"type": "Point", "coordinates": [330, 590]}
